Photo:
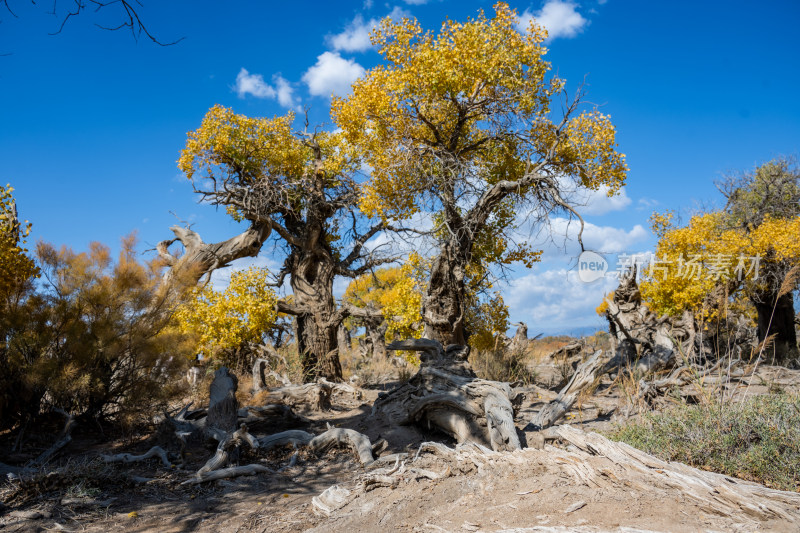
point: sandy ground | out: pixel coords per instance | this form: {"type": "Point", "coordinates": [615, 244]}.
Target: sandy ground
{"type": "Point", "coordinates": [527, 490]}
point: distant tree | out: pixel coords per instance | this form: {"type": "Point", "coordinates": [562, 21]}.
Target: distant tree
{"type": "Point", "coordinates": [393, 291]}
{"type": "Point", "coordinates": [747, 249]}
{"type": "Point", "coordinates": [461, 124]}
{"type": "Point", "coordinates": [17, 267]}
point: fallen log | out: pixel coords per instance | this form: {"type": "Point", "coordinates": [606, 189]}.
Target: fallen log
{"type": "Point", "coordinates": [64, 438]}
{"type": "Point", "coordinates": [155, 451]}
{"type": "Point", "coordinates": [226, 447]}
{"type": "Point", "coordinates": [292, 436]}
{"type": "Point", "coordinates": [352, 439]}
{"type": "Point", "coordinates": [227, 473]}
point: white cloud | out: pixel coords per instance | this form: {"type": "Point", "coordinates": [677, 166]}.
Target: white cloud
{"type": "Point", "coordinates": [556, 299]}
{"type": "Point", "coordinates": [416, 2]}
{"type": "Point", "coordinates": [355, 37]}
{"type": "Point", "coordinates": [332, 74]}
{"type": "Point", "coordinates": [560, 18]}
{"type": "Point", "coordinates": [254, 84]}
{"type": "Point", "coordinates": [284, 90]}
{"type": "Point", "coordinates": [603, 239]}
{"type": "Point", "coordinates": [599, 202]}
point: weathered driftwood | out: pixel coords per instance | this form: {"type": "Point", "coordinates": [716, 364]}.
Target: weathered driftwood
{"type": "Point", "coordinates": [331, 499]}
{"type": "Point", "coordinates": [585, 375]}
{"type": "Point", "coordinates": [447, 394]}
{"type": "Point", "coordinates": [261, 372]}
{"type": "Point", "coordinates": [226, 448]}
{"type": "Point", "coordinates": [292, 436]}
{"type": "Point", "coordinates": [155, 451]}
{"type": "Point", "coordinates": [519, 342]}
{"type": "Point", "coordinates": [257, 413]}
{"type": "Point", "coordinates": [718, 493]}
{"type": "Point", "coordinates": [316, 395]}
{"type": "Point", "coordinates": [200, 258]}
{"type": "Point", "coordinates": [222, 404]}
{"type": "Point", "coordinates": [352, 439]}
{"type": "Point", "coordinates": [227, 473]}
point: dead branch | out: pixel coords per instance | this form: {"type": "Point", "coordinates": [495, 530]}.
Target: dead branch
{"type": "Point", "coordinates": [230, 472]}
{"type": "Point", "coordinates": [349, 438]}
{"type": "Point", "coordinates": [155, 451]}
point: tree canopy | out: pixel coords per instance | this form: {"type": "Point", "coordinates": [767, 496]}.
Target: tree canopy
{"type": "Point", "coordinates": [301, 187]}
{"type": "Point", "coordinates": [225, 321]}
{"type": "Point", "coordinates": [746, 249]}
{"type": "Point", "coordinates": [461, 124]}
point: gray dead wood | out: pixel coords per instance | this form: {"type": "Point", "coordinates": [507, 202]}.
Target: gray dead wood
{"type": "Point", "coordinates": [717, 493]}
{"type": "Point", "coordinates": [585, 375]}
{"type": "Point", "coordinates": [446, 393]}
{"type": "Point", "coordinates": [316, 395]}
{"type": "Point", "coordinates": [230, 472]}
{"type": "Point", "coordinates": [519, 342]}
{"type": "Point", "coordinates": [261, 371]}
{"type": "Point", "coordinates": [226, 448]}
{"type": "Point", "coordinates": [222, 404]}
{"type": "Point", "coordinates": [155, 451]}
{"type": "Point", "coordinates": [200, 258]}
{"type": "Point", "coordinates": [257, 413]}
{"type": "Point", "coordinates": [331, 499]}
{"type": "Point", "coordinates": [292, 436]}
{"type": "Point", "coordinates": [358, 442]}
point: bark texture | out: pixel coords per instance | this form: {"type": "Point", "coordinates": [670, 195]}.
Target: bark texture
{"type": "Point", "coordinates": [447, 394]}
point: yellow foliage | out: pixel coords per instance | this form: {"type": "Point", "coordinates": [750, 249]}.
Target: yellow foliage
{"type": "Point", "coordinates": [692, 260]}
{"type": "Point", "coordinates": [17, 267]}
{"type": "Point", "coordinates": [396, 292]}
{"type": "Point", "coordinates": [603, 307]}
{"type": "Point", "coordinates": [225, 320]}
{"type": "Point", "coordinates": [477, 91]}
{"type": "Point", "coordinates": [486, 321]}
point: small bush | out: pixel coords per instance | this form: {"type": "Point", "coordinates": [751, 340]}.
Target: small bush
{"type": "Point", "coordinates": [756, 440]}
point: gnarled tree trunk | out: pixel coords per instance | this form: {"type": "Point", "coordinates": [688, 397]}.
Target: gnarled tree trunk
{"type": "Point", "coordinates": [776, 317]}
{"type": "Point", "coordinates": [311, 273]}
{"type": "Point", "coordinates": [444, 306]}
{"type": "Point", "coordinates": [201, 258]}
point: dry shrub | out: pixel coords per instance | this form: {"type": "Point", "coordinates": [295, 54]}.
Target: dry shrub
{"type": "Point", "coordinates": [93, 338]}
{"type": "Point", "coordinates": [501, 364]}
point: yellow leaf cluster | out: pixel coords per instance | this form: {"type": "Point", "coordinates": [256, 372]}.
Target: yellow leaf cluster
{"type": "Point", "coordinates": [224, 320]}
{"type": "Point", "coordinates": [229, 146]}
{"type": "Point", "coordinates": [486, 321]}
{"type": "Point", "coordinates": [477, 91]}
{"type": "Point", "coordinates": [692, 260]}
{"type": "Point", "coordinates": [396, 292]}
{"type": "Point", "coordinates": [17, 267]}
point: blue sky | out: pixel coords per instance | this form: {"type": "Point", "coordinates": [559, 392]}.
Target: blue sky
{"type": "Point", "coordinates": [93, 121]}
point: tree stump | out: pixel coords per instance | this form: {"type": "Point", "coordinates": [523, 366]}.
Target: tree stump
{"type": "Point", "coordinates": [223, 408]}
{"type": "Point", "coordinates": [447, 394]}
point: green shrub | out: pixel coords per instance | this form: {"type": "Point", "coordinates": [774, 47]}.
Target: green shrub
{"type": "Point", "coordinates": [757, 440]}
